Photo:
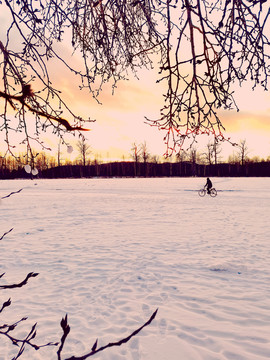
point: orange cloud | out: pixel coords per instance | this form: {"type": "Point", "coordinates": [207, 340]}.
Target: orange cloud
{"type": "Point", "coordinates": [239, 121]}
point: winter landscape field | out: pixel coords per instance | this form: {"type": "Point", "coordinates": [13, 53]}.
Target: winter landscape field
{"type": "Point", "coordinates": [109, 252]}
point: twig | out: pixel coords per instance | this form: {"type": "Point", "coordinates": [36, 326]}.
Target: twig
{"type": "Point", "coordinates": [27, 341]}
{"type": "Point", "coordinates": [6, 233]}
{"type": "Point", "coordinates": [94, 349]}
{"type": "Point", "coordinates": [5, 304]}
{"type": "Point", "coordinates": [66, 330]}
{"type": "Point", "coordinates": [24, 282]}
{"type": "Point", "coordinates": [22, 98]}
{"type": "Point", "coordinates": [14, 192]}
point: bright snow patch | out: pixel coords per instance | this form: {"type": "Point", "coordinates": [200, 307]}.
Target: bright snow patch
{"type": "Point", "coordinates": [111, 251]}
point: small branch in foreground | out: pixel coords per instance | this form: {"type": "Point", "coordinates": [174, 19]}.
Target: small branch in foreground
{"type": "Point", "coordinates": [1, 238]}
{"type": "Point", "coordinates": [38, 112]}
{"type": "Point", "coordinates": [23, 342]}
{"type": "Point", "coordinates": [94, 349]}
{"type": "Point", "coordinates": [4, 305]}
{"type": "Point", "coordinates": [24, 282]}
{"type": "Point", "coordinates": [14, 192]}
{"type": "Point", "coordinates": [66, 329]}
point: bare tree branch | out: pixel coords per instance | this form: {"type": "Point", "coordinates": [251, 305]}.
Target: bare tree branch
{"type": "Point", "coordinates": [14, 192]}
{"type": "Point", "coordinates": [66, 329]}
{"type": "Point", "coordinates": [36, 111]}
{"type": "Point", "coordinates": [95, 350]}
{"type": "Point", "coordinates": [202, 50]}
{"type": "Point", "coordinates": [22, 283]}
{"type": "Point", "coordinates": [5, 304]}
{"type": "Point", "coordinates": [1, 238]}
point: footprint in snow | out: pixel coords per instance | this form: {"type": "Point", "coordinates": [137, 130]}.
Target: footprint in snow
{"type": "Point", "coordinates": [162, 325]}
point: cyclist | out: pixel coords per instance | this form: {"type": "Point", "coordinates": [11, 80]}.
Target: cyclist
{"type": "Point", "coordinates": [208, 185]}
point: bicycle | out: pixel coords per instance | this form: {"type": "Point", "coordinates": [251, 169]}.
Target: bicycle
{"type": "Point", "coordinates": [212, 192]}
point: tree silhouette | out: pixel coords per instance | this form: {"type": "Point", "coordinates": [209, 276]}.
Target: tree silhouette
{"type": "Point", "coordinates": [243, 151]}
{"type": "Point", "coordinates": [84, 150]}
{"type": "Point", "coordinates": [201, 49]}
{"type": "Point", "coordinates": [211, 155]}
{"type": "Point", "coordinates": [208, 154]}
{"type": "Point", "coordinates": [136, 156]}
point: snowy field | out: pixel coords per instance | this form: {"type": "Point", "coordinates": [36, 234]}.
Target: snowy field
{"type": "Point", "coordinates": [111, 251]}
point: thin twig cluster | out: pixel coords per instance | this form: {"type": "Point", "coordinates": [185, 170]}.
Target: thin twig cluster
{"type": "Point", "coordinates": [212, 47]}
{"type": "Point", "coordinates": [203, 49]}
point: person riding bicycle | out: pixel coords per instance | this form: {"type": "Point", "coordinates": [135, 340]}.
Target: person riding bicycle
{"type": "Point", "coordinates": [208, 185]}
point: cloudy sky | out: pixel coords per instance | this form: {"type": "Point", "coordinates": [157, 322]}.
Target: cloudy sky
{"type": "Point", "coordinates": [120, 120]}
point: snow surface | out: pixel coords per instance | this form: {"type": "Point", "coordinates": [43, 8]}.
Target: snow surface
{"type": "Point", "coordinates": [111, 251]}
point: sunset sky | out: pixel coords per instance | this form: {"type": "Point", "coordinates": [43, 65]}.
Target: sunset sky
{"type": "Point", "coordinates": [120, 119]}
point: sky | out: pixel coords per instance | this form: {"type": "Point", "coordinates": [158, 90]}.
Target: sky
{"type": "Point", "coordinates": [120, 120]}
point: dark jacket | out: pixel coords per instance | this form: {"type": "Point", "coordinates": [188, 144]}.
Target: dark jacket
{"type": "Point", "coordinates": [209, 183]}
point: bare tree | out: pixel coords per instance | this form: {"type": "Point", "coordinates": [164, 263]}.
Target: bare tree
{"type": "Point", "coordinates": [193, 155]}
{"type": "Point", "coordinates": [211, 155]}
{"type": "Point", "coordinates": [194, 159]}
{"type": "Point", "coordinates": [243, 151]}
{"type": "Point", "coordinates": [135, 153]}
{"type": "Point", "coordinates": [233, 159]}
{"type": "Point", "coordinates": [84, 150]}
{"type": "Point", "coordinates": [155, 159]}
{"type": "Point", "coordinates": [145, 154]}
{"type": "Point", "coordinates": [202, 50]}
{"type": "Point", "coordinates": [59, 154]}
{"type": "Point", "coordinates": [216, 151]}
{"type": "Point", "coordinates": [136, 156]}
{"type": "Point", "coordinates": [181, 156]}
{"type": "Point", "coordinates": [208, 154]}
{"type": "Point", "coordinates": [256, 159]}
{"type": "Point", "coordinates": [42, 161]}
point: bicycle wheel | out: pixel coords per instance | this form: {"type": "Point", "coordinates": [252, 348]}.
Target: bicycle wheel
{"type": "Point", "coordinates": [202, 192]}
{"type": "Point", "coordinates": [213, 192]}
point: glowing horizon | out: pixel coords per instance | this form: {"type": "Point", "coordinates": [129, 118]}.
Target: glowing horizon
{"type": "Point", "coordinates": [120, 121]}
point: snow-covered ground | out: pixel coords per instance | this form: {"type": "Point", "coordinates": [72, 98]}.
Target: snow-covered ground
{"type": "Point", "coordinates": [111, 251]}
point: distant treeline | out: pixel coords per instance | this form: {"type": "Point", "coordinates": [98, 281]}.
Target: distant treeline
{"type": "Point", "coordinates": [141, 169]}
